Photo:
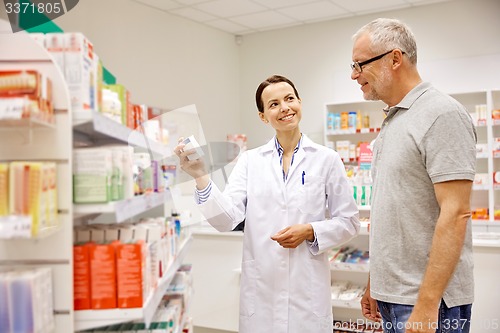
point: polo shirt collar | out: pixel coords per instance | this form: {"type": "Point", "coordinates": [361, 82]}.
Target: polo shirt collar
{"type": "Point", "coordinates": [410, 98]}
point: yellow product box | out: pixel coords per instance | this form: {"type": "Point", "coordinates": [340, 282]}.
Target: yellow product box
{"type": "Point", "coordinates": [4, 189]}
{"type": "Point", "coordinates": [27, 193]}
{"type": "Point", "coordinates": [49, 192]}
{"type": "Point", "coordinates": [127, 112]}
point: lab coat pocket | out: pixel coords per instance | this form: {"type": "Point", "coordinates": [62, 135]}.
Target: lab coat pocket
{"type": "Point", "coordinates": [248, 288]}
{"type": "Point", "coordinates": [312, 195]}
{"type": "Point", "coordinates": [320, 289]}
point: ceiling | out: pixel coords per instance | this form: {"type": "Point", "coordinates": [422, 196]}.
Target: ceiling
{"type": "Point", "coordinates": [241, 17]}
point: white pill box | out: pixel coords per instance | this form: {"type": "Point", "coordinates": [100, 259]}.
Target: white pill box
{"type": "Point", "coordinates": [191, 143]}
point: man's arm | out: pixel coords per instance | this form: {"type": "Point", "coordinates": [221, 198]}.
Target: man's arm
{"type": "Point", "coordinates": [454, 201]}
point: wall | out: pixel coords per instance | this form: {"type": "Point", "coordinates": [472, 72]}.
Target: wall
{"type": "Point", "coordinates": [164, 60]}
{"type": "Point", "coordinates": [458, 51]}
{"type": "Point", "coordinates": [169, 62]}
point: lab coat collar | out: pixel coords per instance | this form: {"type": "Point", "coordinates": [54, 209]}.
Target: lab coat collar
{"type": "Point", "coordinates": [270, 147]}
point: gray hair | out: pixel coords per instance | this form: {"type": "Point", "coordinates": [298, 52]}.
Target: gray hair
{"type": "Point", "coordinates": [387, 34]}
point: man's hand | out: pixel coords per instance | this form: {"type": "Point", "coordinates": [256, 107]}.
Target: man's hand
{"type": "Point", "coordinates": [293, 236]}
{"type": "Point", "coordinates": [369, 306]}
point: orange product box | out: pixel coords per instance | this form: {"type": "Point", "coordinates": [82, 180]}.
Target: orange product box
{"type": "Point", "coordinates": [20, 83]}
{"type": "Point", "coordinates": [81, 277]}
{"type": "Point", "coordinates": [130, 263]}
{"type": "Point", "coordinates": [102, 276]}
{"type": "Point", "coordinates": [140, 116]}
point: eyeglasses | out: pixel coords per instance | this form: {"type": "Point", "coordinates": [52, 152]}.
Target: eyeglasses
{"type": "Point", "coordinates": [358, 66]}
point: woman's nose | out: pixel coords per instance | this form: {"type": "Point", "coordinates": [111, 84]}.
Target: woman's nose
{"type": "Point", "coordinates": [284, 106]}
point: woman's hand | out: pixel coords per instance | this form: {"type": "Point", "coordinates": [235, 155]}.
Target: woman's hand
{"type": "Point", "coordinates": [293, 236]}
{"type": "Point", "coordinates": [194, 168]}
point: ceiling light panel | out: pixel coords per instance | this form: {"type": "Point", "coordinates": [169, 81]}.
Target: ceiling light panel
{"type": "Point", "coordinates": [229, 26]}
{"type": "Point", "coordinates": [314, 11]}
{"type": "Point", "coordinates": [273, 4]}
{"type": "Point", "coordinates": [360, 6]}
{"type": "Point", "coordinates": [193, 14]}
{"type": "Point", "coordinates": [161, 4]}
{"type": "Point", "coordinates": [190, 2]}
{"type": "Point", "coordinates": [262, 20]}
{"type": "Point", "coordinates": [229, 8]}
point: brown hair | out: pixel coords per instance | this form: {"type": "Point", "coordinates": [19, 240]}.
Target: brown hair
{"type": "Point", "coordinates": [271, 80]}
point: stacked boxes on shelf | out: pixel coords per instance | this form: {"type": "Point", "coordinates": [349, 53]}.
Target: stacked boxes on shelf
{"type": "Point", "coordinates": [26, 94]}
{"type": "Point", "coordinates": [27, 189]}
{"type": "Point", "coordinates": [119, 266]}
{"type": "Point", "coordinates": [26, 301]}
{"type": "Point", "coordinates": [113, 173]}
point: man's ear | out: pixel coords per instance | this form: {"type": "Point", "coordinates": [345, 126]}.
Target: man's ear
{"type": "Point", "coordinates": [397, 58]}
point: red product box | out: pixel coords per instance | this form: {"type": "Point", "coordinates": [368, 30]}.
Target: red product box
{"type": "Point", "coordinates": [130, 263]}
{"type": "Point", "coordinates": [81, 277]}
{"type": "Point", "coordinates": [102, 276]}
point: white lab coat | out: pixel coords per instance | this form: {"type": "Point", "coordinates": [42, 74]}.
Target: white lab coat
{"type": "Point", "coordinates": [286, 290]}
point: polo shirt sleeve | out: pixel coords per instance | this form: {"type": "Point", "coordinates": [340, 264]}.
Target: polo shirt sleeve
{"type": "Point", "coordinates": [449, 147]}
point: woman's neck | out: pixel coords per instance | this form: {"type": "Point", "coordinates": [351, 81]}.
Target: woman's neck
{"type": "Point", "coordinates": [289, 140]}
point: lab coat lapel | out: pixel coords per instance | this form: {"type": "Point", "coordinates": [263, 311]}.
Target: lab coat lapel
{"type": "Point", "coordinates": [297, 159]}
{"type": "Point", "coordinates": [274, 163]}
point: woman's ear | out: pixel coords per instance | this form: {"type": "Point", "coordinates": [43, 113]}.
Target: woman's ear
{"type": "Point", "coordinates": [263, 117]}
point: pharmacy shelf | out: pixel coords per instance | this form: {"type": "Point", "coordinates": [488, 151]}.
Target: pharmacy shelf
{"type": "Point", "coordinates": [486, 239]}
{"type": "Point", "coordinates": [480, 187]}
{"type": "Point", "coordinates": [29, 123]}
{"type": "Point", "coordinates": [349, 267]}
{"type": "Point", "coordinates": [14, 227]}
{"type": "Point", "coordinates": [125, 209]}
{"type": "Point", "coordinates": [89, 319]}
{"type": "Point", "coordinates": [36, 140]}
{"type": "Point", "coordinates": [350, 131]}
{"type": "Point", "coordinates": [98, 127]}
{"type": "Point", "coordinates": [184, 318]}
{"type": "Point", "coordinates": [347, 304]}
{"type": "Point", "coordinates": [365, 228]}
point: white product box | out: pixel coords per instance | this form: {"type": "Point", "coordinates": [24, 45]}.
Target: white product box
{"type": "Point", "coordinates": [92, 169]}
{"type": "Point", "coordinates": [343, 149]}
{"type": "Point", "coordinates": [191, 143]}
{"type": "Point", "coordinates": [79, 71]}
{"type": "Point", "coordinates": [54, 43]}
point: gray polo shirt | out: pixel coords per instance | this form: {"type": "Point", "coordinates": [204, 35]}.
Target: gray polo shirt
{"type": "Point", "coordinates": [427, 138]}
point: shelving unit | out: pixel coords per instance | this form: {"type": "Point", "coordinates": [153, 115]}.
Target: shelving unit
{"type": "Point", "coordinates": [88, 319]}
{"type": "Point", "coordinates": [99, 129]}
{"type": "Point", "coordinates": [484, 195]}
{"type": "Point", "coordinates": [486, 232]}
{"type": "Point", "coordinates": [354, 273]}
{"type": "Point", "coordinates": [33, 140]}
{"type": "Point", "coordinates": [123, 210]}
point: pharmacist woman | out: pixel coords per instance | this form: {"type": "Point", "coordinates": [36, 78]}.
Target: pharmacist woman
{"type": "Point", "coordinates": [297, 204]}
